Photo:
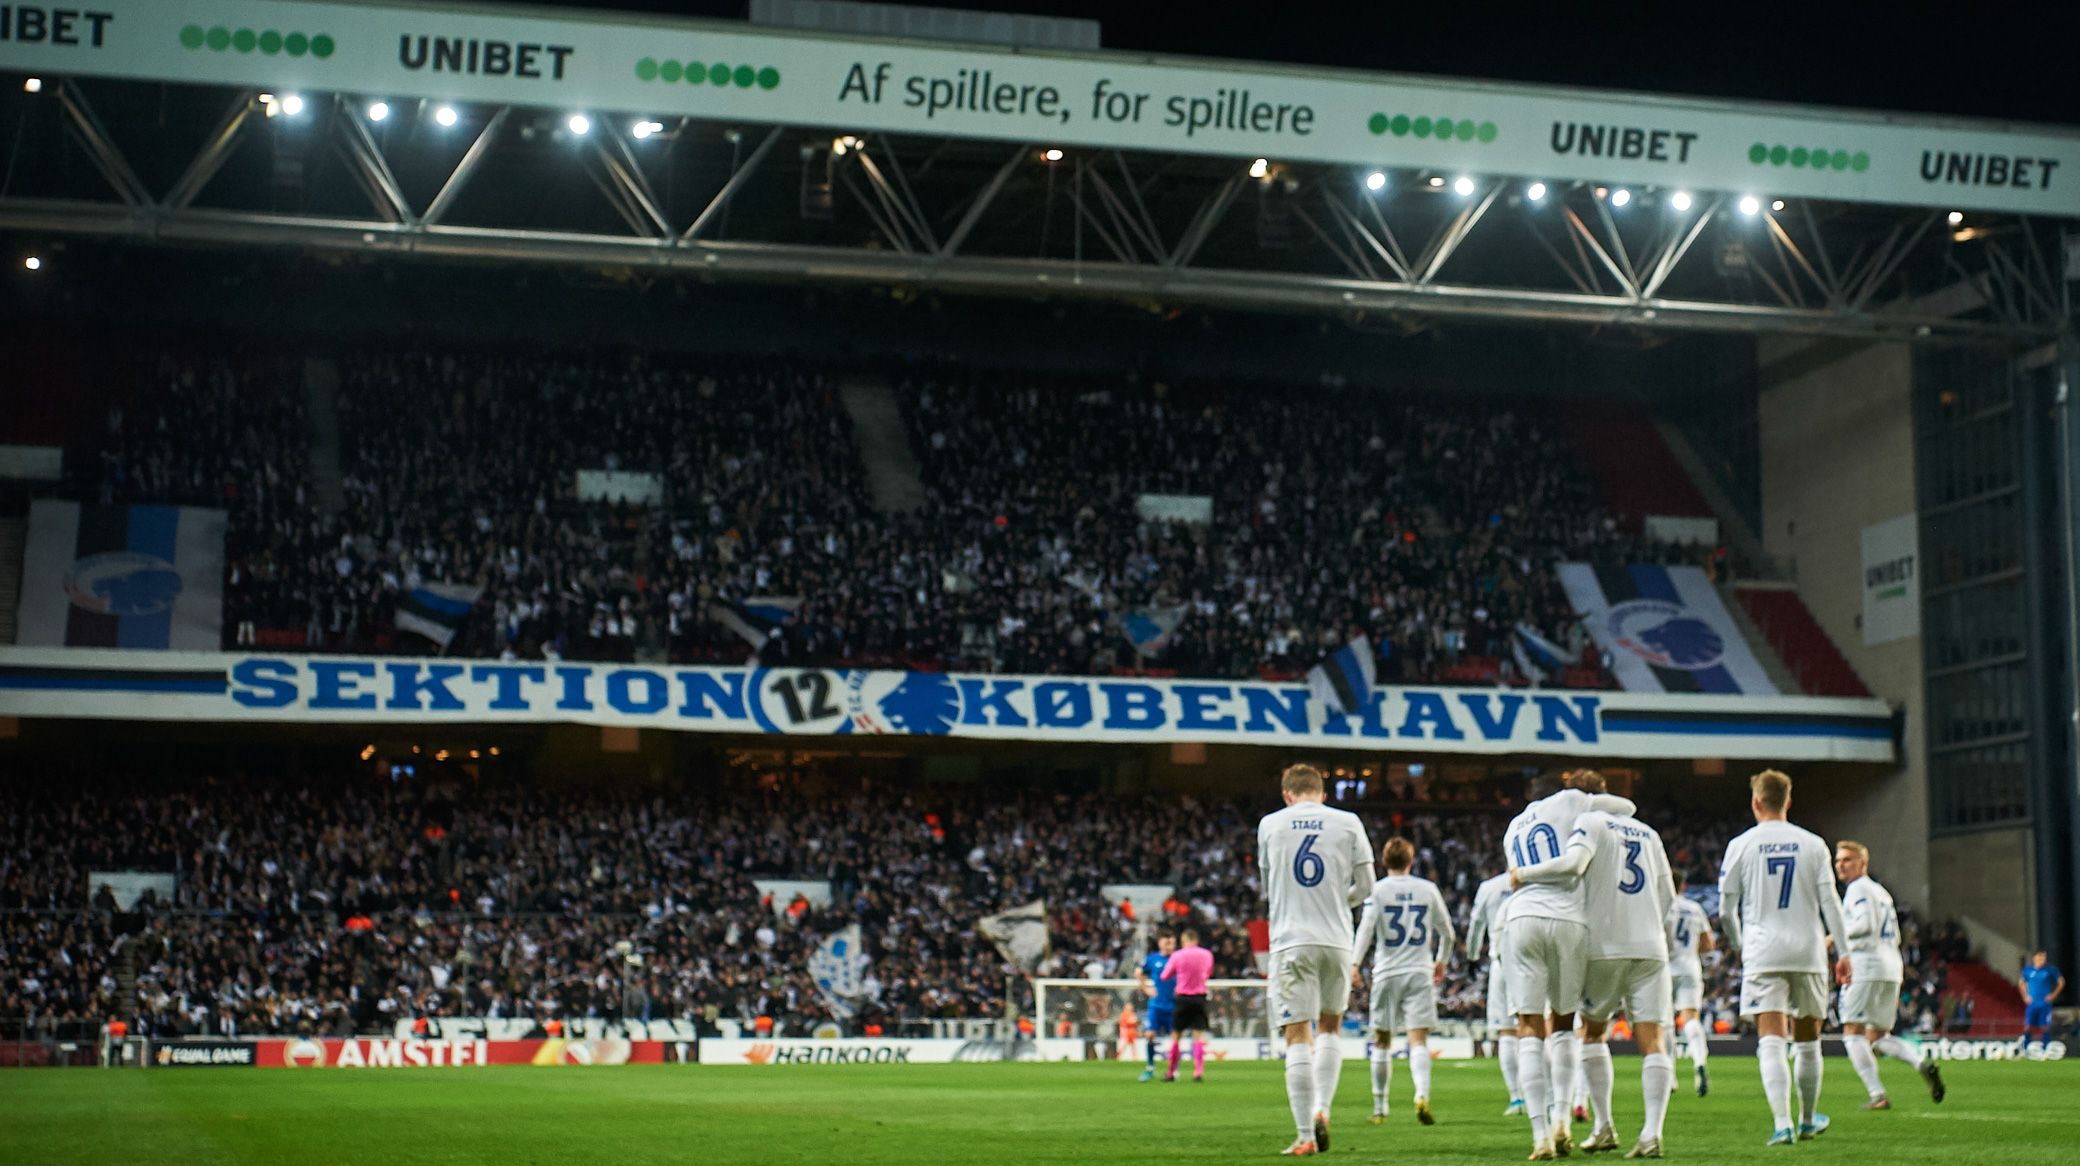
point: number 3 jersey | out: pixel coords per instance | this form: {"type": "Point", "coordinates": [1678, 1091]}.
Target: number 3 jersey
{"type": "Point", "coordinates": [1777, 900]}
{"type": "Point", "coordinates": [1404, 919]}
{"type": "Point", "coordinates": [1308, 856]}
{"type": "Point", "coordinates": [1626, 886]}
{"type": "Point", "coordinates": [1873, 933]}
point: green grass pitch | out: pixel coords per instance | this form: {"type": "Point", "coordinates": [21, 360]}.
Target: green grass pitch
{"type": "Point", "coordinates": [946, 1114]}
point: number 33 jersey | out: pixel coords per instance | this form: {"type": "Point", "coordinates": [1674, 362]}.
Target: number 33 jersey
{"type": "Point", "coordinates": [1308, 856]}
{"type": "Point", "coordinates": [1777, 899]}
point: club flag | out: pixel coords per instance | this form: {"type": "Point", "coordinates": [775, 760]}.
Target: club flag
{"type": "Point", "coordinates": [1020, 934]}
{"type": "Point", "coordinates": [839, 967]}
{"type": "Point", "coordinates": [756, 619]}
{"type": "Point", "coordinates": [1537, 657]}
{"type": "Point", "coordinates": [436, 610]}
{"type": "Point", "coordinates": [1149, 628]}
{"type": "Point", "coordinates": [1665, 628]}
{"type": "Point", "coordinates": [1343, 680]}
{"type": "Point", "coordinates": [122, 577]}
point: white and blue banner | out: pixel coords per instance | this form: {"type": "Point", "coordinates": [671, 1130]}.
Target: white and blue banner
{"type": "Point", "coordinates": [839, 967]}
{"type": "Point", "coordinates": [122, 577]}
{"type": "Point", "coordinates": [1666, 629]}
{"type": "Point", "coordinates": [819, 702]}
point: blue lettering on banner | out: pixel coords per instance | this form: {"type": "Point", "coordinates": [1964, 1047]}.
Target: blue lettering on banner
{"type": "Point", "coordinates": [707, 696]}
{"type": "Point", "coordinates": [994, 698]}
{"type": "Point", "coordinates": [1371, 720]}
{"type": "Point", "coordinates": [407, 681]}
{"type": "Point", "coordinates": [1577, 713]}
{"type": "Point", "coordinates": [574, 697]}
{"type": "Point", "coordinates": [1287, 706]}
{"type": "Point", "coordinates": [1429, 708]}
{"type": "Point", "coordinates": [1199, 710]}
{"type": "Point", "coordinates": [336, 684]}
{"type": "Point", "coordinates": [506, 680]}
{"type": "Point", "coordinates": [273, 680]}
{"type": "Point", "coordinates": [621, 695]}
{"type": "Point", "coordinates": [1132, 706]}
{"type": "Point", "coordinates": [1060, 704]}
{"type": "Point", "coordinates": [1493, 726]}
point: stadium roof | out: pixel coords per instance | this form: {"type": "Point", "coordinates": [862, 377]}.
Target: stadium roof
{"type": "Point", "coordinates": [733, 151]}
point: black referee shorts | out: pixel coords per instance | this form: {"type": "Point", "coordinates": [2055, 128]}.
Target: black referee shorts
{"type": "Point", "coordinates": [1191, 1014]}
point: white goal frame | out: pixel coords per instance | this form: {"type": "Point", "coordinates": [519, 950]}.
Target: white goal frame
{"type": "Point", "coordinates": [1238, 1009]}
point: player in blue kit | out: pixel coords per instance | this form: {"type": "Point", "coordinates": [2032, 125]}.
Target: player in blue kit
{"type": "Point", "coordinates": [2041, 983]}
{"type": "Point", "coordinates": [1162, 999]}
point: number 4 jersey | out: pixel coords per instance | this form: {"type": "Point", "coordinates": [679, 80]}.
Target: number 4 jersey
{"type": "Point", "coordinates": [1308, 856]}
{"type": "Point", "coordinates": [1777, 900]}
{"type": "Point", "coordinates": [1404, 920]}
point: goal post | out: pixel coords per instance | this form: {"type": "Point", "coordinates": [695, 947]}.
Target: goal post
{"type": "Point", "coordinates": [1092, 1010]}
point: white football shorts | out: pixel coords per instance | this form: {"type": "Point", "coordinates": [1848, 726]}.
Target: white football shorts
{"type": "Point", "coordinates": [1404, 1001]}
{"type": "Point", "coordinates": [1637, 988]}
{"type": "Point", "coordinates": [1799, 994]}
{"type": "Point", "coordinates": [1544, 962]}
{"type": "Point", "coordinates": [1309, 982]}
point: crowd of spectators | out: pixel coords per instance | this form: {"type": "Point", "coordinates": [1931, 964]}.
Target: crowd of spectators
{"type": "Point", "coordinates": [342, 906]}
{"type": "Point", "coordinates": [353, 478]}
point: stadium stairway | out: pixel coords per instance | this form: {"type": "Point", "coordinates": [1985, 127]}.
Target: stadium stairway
{"type": "Point", "coordinates": [321, 405]}
{"type": "Point", "coordinates": [1996, 1005]}
{"type": "Point", "coordinates": [1780, 672]}
{"type": "Point", "coordinates": [884, 445]}
{"type": "Point", "coordinates": [1634, 469]}
{"type": "Point", "coordinates": [12, 533]}
{"type": "Point", "coordinates": [1788, 626]}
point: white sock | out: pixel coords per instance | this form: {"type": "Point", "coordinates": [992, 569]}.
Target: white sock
{"type": "Point", "coordinates": [1328, 1066]}
{"type": "Point", "coordinates": [1531, 1074]}
{"type": "Point", "coordinates": [1507, 1054]}
{"type": "Point", "coordinates": [1694, 1035]}
{"type": "Point", "coordinates": [1771, 1053]}
{"type": "Point", "coordinates": [1419, 1064]}
{"type": "Point", "coordinates": [1382, 1076]}
{"type": "Point", "coordinates": [1560, 1054]}
{"type": "Point", "coordinates": [1300, 1087]}
{"type": "Point", "coordinates": [1892, 1046]}
{"type": "Point", "coordinates": [1866, 1064]}
{"type": "Point", "coordinates": [1657, 1079]}
{"type": "Point", "coordinates": [1596, 1071]}
{"type": "Point", "coordinates": [1809, 1068]}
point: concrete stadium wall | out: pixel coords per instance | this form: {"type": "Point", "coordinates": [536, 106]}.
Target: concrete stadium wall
{"type": "Point", "coordinates": [1837, 441]}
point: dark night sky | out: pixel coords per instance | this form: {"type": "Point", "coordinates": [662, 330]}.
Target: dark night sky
{"type": "Point", "coordinates": [2001, 59]}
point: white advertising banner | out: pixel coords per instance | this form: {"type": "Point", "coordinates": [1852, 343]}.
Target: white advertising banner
{"type": "Point", "coordinates": [818, 702]}
{"type": "Point", "coordinates": [1892, 580]}
{"type": "Point", "coordinates": [609, 63]}
{"type": "Point", "coordinates": [620, 486]}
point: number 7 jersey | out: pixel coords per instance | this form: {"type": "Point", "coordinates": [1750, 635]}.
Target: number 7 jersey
{"type": "Point", "coordinates": [1777, 900]}
{"type": "Point", "coordinates": [1308, 856]}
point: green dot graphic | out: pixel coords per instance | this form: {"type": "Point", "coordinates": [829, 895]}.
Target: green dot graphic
{"type": "Point", "coordinates": [191, 36]}
{"type": "Point", "coordinates": [1861, 162]}
{"type": "Point", "coordinates": [219, 38]}
{"type": "Point", "coordinates": [1466, 129]}
{"type": "Point", "coordinates": [1377, 124]}
{"type": "Point", "coordinates": [244, 39]}
{"type": "Point", "coordinates": [745, 76]}
{"type": "Point", "coordinates": [1840, 161]}
{"type": "Point", "coordinates": [270, 42]}
{"type": "Point", "coordinates": [718, 74]}
{"type": "Point", "coordinates": [1487, 132]}
{"type": "Point", "coordinates": [1798, 155]}
{"type": "Point", "coordinates": [769, 78]}
{"type": "Point", "coordinates": [669, 70]}
{"type": "Point", "coordinates": [322, 46]}
{"type": "Point", "coordinates": [1778, 155]}
{"type": "Point", "coordinates": [1442, 127]}
{"type": "Point", "coordinates": [696, 73]}
{"type": "Point", "coordinates": [646, 69]}
{"type": "Point", "coordinates": [297, 44]}
{"type": "Point", "coordinates": [1758, 153]}
{"type": "Point", "coordinates": [1820, 158]}
{"type": "Point", "coordinates": [1422, 127]}
{"type": "Point", "coordinates": [1401, 124]}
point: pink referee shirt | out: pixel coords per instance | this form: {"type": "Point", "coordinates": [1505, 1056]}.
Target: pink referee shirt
{"type": "Point", "coordinates": [1190, 967]}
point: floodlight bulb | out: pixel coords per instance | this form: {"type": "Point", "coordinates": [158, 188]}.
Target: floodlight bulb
{"type": "Point", "coordinates": [1620, 196]}
{"type": "Point", "coordinates": [1375, 181]}
{"type": "Point", "coordinates": [1436, 180]}
{"type": "Point", "coordinates": [1536, 192]}
{"type": "Point", "coordinates": [1750, 205]}
{"type": "Point", "coordinates": [1463, 187]}
{"type": "Point", "coordinates": [1680, 200]}
{"type": "Point", "coordinates": [580, 124]}
{"type": "Point", "coordinates": [1053, 155]}
{"type": "Point", "coordinates": [292, 104]}
{"type": "Point", "coordinates": [378, 110]}
{"type": "Point", "coordinates": [1260, 168]}
{"type": "Point", "coordinates": [446, 115]}
{"type": "Point", "coordinates": [33, 85]}
{"type": "Point", "coordinates": [1776, 204]}
{"type": "Point", "coordinates": [1956, 217]}
{"type": "Point", "coordinates": [33, 263]}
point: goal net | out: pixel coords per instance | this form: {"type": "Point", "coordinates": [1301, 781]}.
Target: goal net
{"type": "Point", "coordinates": [1099, 1010]}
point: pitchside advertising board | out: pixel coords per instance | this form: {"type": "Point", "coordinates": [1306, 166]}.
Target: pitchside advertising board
{"type": "Point", "coordinates": [304, 1053]}
{"type": "Point", "coordinates": [826, 702]}
{"type": "Point", "coordinates": [648, 66]}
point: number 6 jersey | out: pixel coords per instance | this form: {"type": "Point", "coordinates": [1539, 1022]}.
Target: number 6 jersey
{"type": "Point", "coordinates": [1777, 900]}
{"type": "Point", "coordinates": [1309, 857]}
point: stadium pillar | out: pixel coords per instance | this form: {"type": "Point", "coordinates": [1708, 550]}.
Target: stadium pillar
{"type": "Point", "coordinates": [2066, 766]}
{"type": "Point", "coordinates": [2051, 778]}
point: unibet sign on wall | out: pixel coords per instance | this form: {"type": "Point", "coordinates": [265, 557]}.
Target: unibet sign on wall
{"type": "Point", "coordinates": [1891, 580]}
{"type": "Point", "coordinates": [614, 65]}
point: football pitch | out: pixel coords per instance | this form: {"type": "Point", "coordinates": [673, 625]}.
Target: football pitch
{"type": "Point", "coordinates": [945, 1114]}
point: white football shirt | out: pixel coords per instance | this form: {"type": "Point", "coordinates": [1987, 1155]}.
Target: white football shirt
{"type": "Point", "coordinates": [1873, 932]}
{"type": "Point", "coordinates": [1777, 900]}
{"type": "Point", "coordinates": [1686, 926]}
{"type": "Point", "coordinates": [1484, 922]}
{"type": "Point", "coordinates": [1625, 886]}
{"type": "Point", "coordinates": [1405, 921]}
{"type": "Point", "coordinates": [1309, 857]}
{"type": "Point", "coordinates": [1538, 835]}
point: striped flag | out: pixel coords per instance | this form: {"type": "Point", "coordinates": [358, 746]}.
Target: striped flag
{"type": "Point", "coordinates": [436, 610]}
{"type": "Point", "coordinates": [1666, 629]}
{"type": "Point", "coordinates": [756, 619]}
{"type": "Point", "coordinates": [1537, 656]}
{"type": "Point", "coordinates": [122, 577]}
{"type": "Point", "coordinates": [1343, 680]}
{"type": "Point", "coordinates": [1149, 628]}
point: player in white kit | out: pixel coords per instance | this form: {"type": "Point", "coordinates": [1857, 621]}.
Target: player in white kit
{"type": "Point", "coordinates": [1627, 891]}
{"type": "Point", "coordinates": [1546, 951]}
{"type": "Point", "coordinates": [1484, 923]}
{"type": "Point", "coordinates": [1407, 930]}
{"type": "Point", "coordinates": [1870, 1004]}
{"type": "Point", "coordinates": [1778, 905]}
{"type": "Point", "coordinates": [1689, 937]}
{"type": "Point", "coordinates": [1316, 864]}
